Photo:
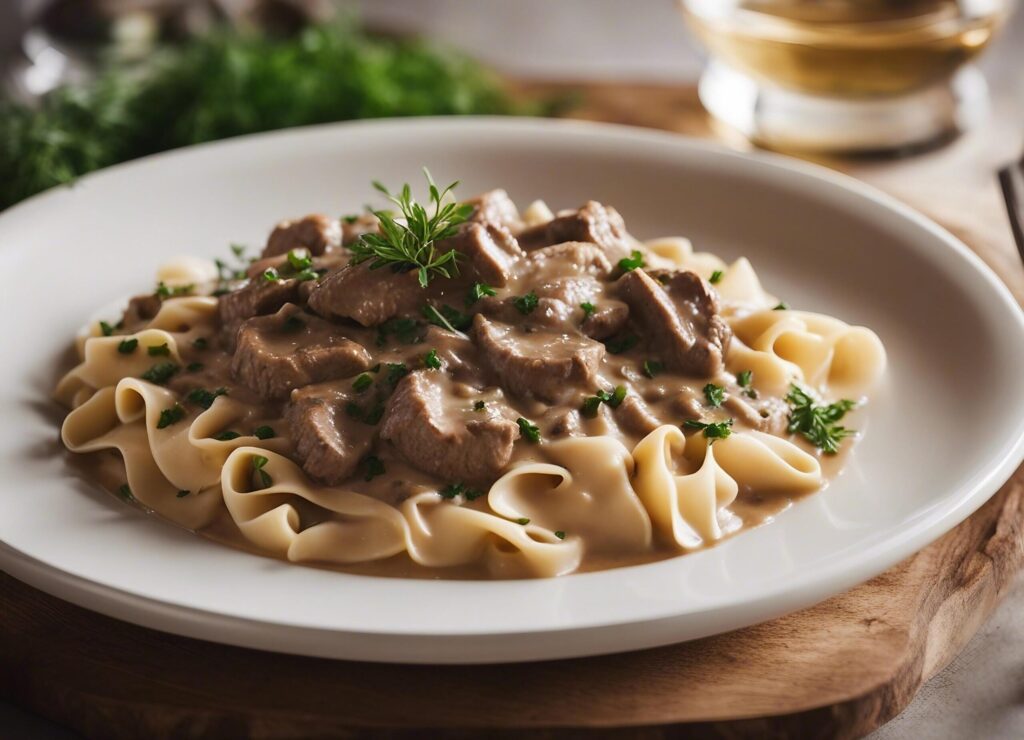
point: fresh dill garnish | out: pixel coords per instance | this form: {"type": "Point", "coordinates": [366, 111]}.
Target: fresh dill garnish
{"type": "Point", "coordinates": [258, 463]}
{"type": "Point", "coordinates": [405, 330]}
{"type": "Point", "coordinates": [712, 431]}
{"type": "Point", "coordinates": [170, 416]}
{"type": "Point", "coordinates": [127, 346]}
{"type": "Point", "coordinates": [818, 422]}
{"type": "Point", "coordinates": [716, 277]}
{"type": "Point", "coordinates": [525, 304]}
{"type": "Point", "coordinates": [529, 430]}
{"type": "Point", "coordinates": [632, 262]}
{"type": "Point", "coordinates": [478, 291]}
{"type": "Point", "coordinates": [412, 245]}
{"type": "Point", "coordinates": [431, 360]}
{"type": "Point", "coordinates": [447, 317]}
{"type": "Point", "coordinates": [652, 367]}
{"type": "Point", "coordinates": [714, 394]}
{"type": "Point", "coordinates": [264, 432]}
{"type": "Point", "coordinates": [588, 309]}
{"type": "Point", "coordinates": [161, 372]}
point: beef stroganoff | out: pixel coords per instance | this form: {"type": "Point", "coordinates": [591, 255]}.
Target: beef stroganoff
{"type": "Point", "coordinates": [465, 390]}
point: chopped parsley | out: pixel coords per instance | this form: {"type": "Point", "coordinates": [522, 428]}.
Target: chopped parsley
{"type": "Point", "coordinates": [744, 379]}
{"type": "Point", "coordinates": [530, 431]}
{"type": "Point", "coordinates": [127, 346]}
{"type": "Point", "coordinates": [161, 372]}
{"type": "Point", "coordinates": [714, 394]}
{"type": "Point", "coordinates": [183, 494]}
{"type": "Point", "coordinates": [479, 405]}
{"type": "Point", "coordinates": [194, 367]}
{"type": "Point", "coordinates": [653, 367]}
{"type": "Point", "coordinates": [125, 492]}
{"type": "Point", "coordinates": [712, 431]}
{"type": "Point", "coordinates": [350, 219]}
{"type": "Point", "coordinates": [431, 360]}
{"type": "Point", "coordinates": [361, 383]}
{"type": "Point", "coordinates": [166, 291]}
{"type": "Point", "coordinates": [460, 489]}
{"type": "Point", "coordinates": [200, 343]}
{"type": "Point", "coordinates": [782, 306]}
{"type": "Point", "coordinates": [158, 350]}
{"type": "Point", "coordinates": [478, 291]}
{"type": "Point", "coordinates": [238, 250]}
{"type": "Point", "coordinates": [270, 275]}
{"type": "Point", "coordinates": [818, 422]}
{"type": "Point", "coordinates": [447, 317]}
{"type": "Point", "coordinates": [106, 329]}
{"type": "Point", "coordinates": [716, 277]}
{"type": "Point", "coordinates": [299, 259]}
{"type": "Point", "coordinates": [293, 324]}
{"type": "Point", "coordinates": [264, 432]}
{"type": "Point", "coordinates": [396, 371]}
{"type": "Point", "coordinates": [612, 398]}
{"type": "Point", "coordinates": [370, 416]}
{"type": "Point", "coordinates": [632, 262]}
{"type": "Point", "coordinates": [588, 309]}
{"type": "Point", "coordinates": [170, 416]}
{"type": "Point", "coordinates": [522, 520]}
{"type": "Point", "coordinates": [622, 343]}
{"type": "Point", "coordinates": [227, 435]}
{"type": "Point", "coordinates": [560, 534]}
{"type": "Point", "coordinates": [258, 463]}
{"type": "Point", "coordinates": [205, 398]}
{"type": "Point", "coordinates": [405, 330]}
{"type": "Point", "coordinates": [590, 406]}
{"type": "Point", "coordinates": [308, 274]}
{"type": "Point", "coordinates": [525, 304]}
{"type": "Point", "coordinates": [374, 467]}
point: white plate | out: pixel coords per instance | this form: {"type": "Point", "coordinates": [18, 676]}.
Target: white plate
{"type": "Point", "coordinates": [945, 433]}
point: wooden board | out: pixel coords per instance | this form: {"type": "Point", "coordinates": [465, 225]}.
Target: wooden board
{"type": "Point", "coordinates": [837, 670]}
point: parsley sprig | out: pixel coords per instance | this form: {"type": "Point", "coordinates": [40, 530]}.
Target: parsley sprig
{"type": "Point", "coordinates": [818, 423]}
{"type": "Point", "coordinates": [412, 245]}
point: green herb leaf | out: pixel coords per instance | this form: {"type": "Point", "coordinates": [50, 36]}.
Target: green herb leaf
{"type": "Point", "coordinates": [166, 291]}
{"type": "Point", "coordinates": [452, 490]}
{"type": "Point", "coordinates": [106, 329]}
{"type": "Point", "coordinates": [396, 371]}
{"type": "Point", "coordinates": [714, 394]}
{"type": "Point", "coordinates": [712, 431]}
{"type": "Point", "coordinates": [374, 467]}
{"type": "Point", "coordinates": [127, 346]}
{"type": "Point", "coordinates": [200, 343]}
{"type": "Point", "coordinates": [350, 219]}
{"type": "Point", "coordinates": [205, 398]}
{"type": "Point", "coordinates": [182, 494]}
{"type": "Point", "coordinates": [447, 318]}
{"type": "Point", "coordinates": [431, 360]}
{"type": "Point", "coordinates": [299, 259]}
{"type": "Point", "coordinates": [744, 380]}
{"type": "Point", "coordinates": [818, 422]}
{"type": "Point", "coordinates": [412, 245]}
{"type": "Point", "coordinates": [560, 534]}
{"type": "Point", "coordinates": [226, 436]}
{"type": "Point", "coordinates": [264, 432]}
{"type": "Point", "coordinates": [588, 309]}
{"type": "Point", "coordinates": [632, 262]}
{"type": "Point", "coordinates": [653, 367]}
{"type": "Point", "coordinates": [782, 306]}
{"type": "Point", "coordinates": [161, 372]}
{"type": "Point", "coordinates": [158, 350]}
{"type": "Point", "coordinates": [590, 406]}
{"type": "Point", "coordinates": [125, 492]}
{"type": "Point", "coordinates": [478, 291]}
{"type": "Point", "coordinates": [361, 383]}
{"type": "Point", "coordinates": [405, 330]}
{"type": "Point", "coordinates": [622, 343]}
{"type": "Point", "coordinates": [258, 463]}
{"type": "Point", "coordinates": [529, 431]}
{"type": "Point", "coordinates": [525, 304]}
{"type": "Point", "coordinates": [716, 277]}
{"type": "Point", "coordinates": [270, 275]}
{"type": "Point", "coordinates": [171, 416]}
{"type": "Point", "coordinates": [522, 520]}
{"type": "Point", "coordinates": [479, 405]}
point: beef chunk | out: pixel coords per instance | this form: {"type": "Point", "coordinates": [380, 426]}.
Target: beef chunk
{"type": "Point", "coordinates": [567, 424]}
{"type": "Point", "coordinates": [680, 318]}
{"type": "Point", "coordinates": [315, 232]}
{"type": "Point", "coordinates": [444, 436]}
{"type": "Point", "coordinates": [495, 207]}
{"type": "Point", "coordinates": [370, 297]}
{"type": "Point", "coordinates": [490, 252]}
{"type": "Point", "coordinates": [328, 441]}
{"type": "Point", "coordinates": [634, 415]}
{"type": "Point", "coordinates": [688, 404]}
{"type": "Point", "coordinates": [329, 261]}
{"type": "Point", "coordinates": [550, 367]}
{"type": "Point", "coordinates": [568, 258]}
{"type": "Point", "coordinates": [291, 349]}
{"type": "Point", "coordinates": [141, 309]}
{"type": "Point", "coordinates": [594, 223]}
{"type": "Point", "coordinates": [256, 298]}
{"type": "Point", "coordinates": [607, 320]}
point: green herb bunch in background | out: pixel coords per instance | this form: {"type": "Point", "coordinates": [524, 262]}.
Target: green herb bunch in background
{"type": "Point", "coordinates": [232, 83]}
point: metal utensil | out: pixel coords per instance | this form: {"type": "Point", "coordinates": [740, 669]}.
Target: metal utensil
{"type": "Point", "coordinates": [1011, 182]}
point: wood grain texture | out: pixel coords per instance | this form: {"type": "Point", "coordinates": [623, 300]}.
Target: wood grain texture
{"type": "Point", "coordinates": [837, 670]}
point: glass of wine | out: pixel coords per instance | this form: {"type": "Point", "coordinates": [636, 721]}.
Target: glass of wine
{"type": "Point", "coordinates": [845, 75]}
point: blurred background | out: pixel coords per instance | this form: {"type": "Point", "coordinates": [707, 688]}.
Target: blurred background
{"type": "Point", "coordinates": [924, 98]}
